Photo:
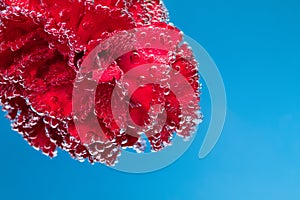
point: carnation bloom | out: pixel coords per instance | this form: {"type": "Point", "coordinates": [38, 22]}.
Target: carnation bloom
{"type": "Point", "coordinates": [42, 47]}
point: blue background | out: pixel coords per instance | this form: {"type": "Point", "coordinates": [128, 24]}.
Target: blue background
{"type": "Point", "coordinates": [256, 45]}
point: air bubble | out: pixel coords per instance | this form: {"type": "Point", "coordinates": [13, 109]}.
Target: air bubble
{"type": "Point", "coordinates": [135, 57]}
{"type": "Point", "coordinates": [153, 71]}
{"type": "Point", "coordinates": [147, 45]}
{"type": "Point", "coordinates": [143, 34]}
{"type": "Point", "coordinates": [162, 38]}
{"type": "Point", "coordinates": [141, 80]}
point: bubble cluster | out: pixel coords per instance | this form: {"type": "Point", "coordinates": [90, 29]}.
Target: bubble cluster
{"type": "Point", "coordinates": [104, 52]}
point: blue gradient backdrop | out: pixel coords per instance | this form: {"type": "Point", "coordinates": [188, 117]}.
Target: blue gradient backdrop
{"type": "Point", "coordinates": [256, 45]}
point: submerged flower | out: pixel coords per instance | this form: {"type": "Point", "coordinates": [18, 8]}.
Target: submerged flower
{"type": "Point", "coordinates": [42, 47]}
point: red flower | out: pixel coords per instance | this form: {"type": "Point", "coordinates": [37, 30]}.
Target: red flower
{"type": "Point", "coordinates": [42, 46]}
